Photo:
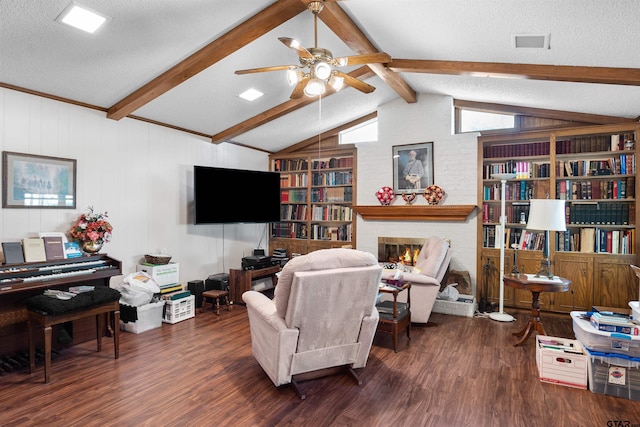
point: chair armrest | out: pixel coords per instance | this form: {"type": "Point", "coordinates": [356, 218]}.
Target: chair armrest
{"type": "Point", "coordinates": [414, 278]}
{"type": "Point", "coordinates": [263, 308]}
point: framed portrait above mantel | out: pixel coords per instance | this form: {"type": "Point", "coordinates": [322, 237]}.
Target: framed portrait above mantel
{"type": "Point", "coordinates": [412, 167]}
{"type": "Point", "coordinates": [33, 181]}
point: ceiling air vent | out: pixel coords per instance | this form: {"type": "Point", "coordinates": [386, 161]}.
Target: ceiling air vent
{"type": "Point", "coordinates": [530, 41]}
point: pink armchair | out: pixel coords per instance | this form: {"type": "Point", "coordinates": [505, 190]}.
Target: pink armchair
{"type": "Point", "coordinates": [322, 317]}
{"type": "Point", "coordinates": [426, 276]}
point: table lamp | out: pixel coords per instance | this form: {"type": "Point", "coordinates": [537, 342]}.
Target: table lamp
{"type": "Point", "coordinates": [546, 215]}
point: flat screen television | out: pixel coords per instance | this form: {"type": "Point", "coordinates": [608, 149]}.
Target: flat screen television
{"type": "Point", "coordinates": [235, 196]}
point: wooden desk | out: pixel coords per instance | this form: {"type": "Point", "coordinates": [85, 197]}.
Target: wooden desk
{"type": "Point", "coordinates": [393, 323]}
{"type": "Point", "coordinates": [240, 280]}
{"type": "Point", "coordinates": [536, 287]}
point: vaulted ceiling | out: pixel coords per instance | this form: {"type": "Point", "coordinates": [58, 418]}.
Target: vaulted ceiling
{"type": "Point", "coordinates": [173, 62]}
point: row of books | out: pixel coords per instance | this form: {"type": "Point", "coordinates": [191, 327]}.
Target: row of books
{"type": "Point", "coordinates": [293, 195]}
{"type": "Point", "coordinates": [516, 190]}
{"type": "Point", "coordinates": [294, 180]}
{"type": "Point", "coordinates": [40, 249]}
{"type": "Point", "coordinates": [598, 213]}
{"type": "Point", "coordinates": [619, 165]}
{"type": "Point", "coordinates": [342, 233]}
{"type": "Point", "coordinates": [340, 162]}
{"type": "Point", "coordinates": [623, 188]}
{"type": "Point", "coordinates": [594, 143]}
{"type": "Point", "coordinates": [293, 212]}
{"type": "Point", "coordinates": [596, 240]}
{"type": "Point", "coordinates": [332, 213]}
{"type": "Point", "coordinates": [523, 170]}
{"type": "Point", "coordinates": [515, 213]}
{"type": "Point", "coordinates": [332, 194]}
{"type": "Point", "coordinates": [332, 178]}
{"type": "Point", "coordinates": [283, 165]}
{"type": "Point", "coordinates": [577, 144]}
{"type": "Point", "coordinates": [523, 239]}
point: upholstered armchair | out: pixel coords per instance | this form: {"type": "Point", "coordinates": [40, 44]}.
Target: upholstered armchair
{"type": "Point", "coordinates": [322, 319]}
{"type": "Point", "coordinates": [425, 277]}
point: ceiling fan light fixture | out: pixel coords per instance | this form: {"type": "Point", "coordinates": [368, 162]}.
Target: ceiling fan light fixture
{"type": "Point", "coordinates": [294, 76]}
{"type": "Point", "coordinates": [336, 82]}
{"type": "Point", "coordinates": [315, 87]}
{"type": "Point", "coordinates": [322, 70]}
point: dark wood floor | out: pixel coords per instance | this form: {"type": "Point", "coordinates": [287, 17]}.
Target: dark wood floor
{"type": "Point", "coordinates": [200, 372]}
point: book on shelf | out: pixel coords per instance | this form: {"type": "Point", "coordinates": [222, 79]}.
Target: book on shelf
{"type": "Point", "coordinates": [53, 247]}
{"type": "Point", "coordinates": [33, 248]}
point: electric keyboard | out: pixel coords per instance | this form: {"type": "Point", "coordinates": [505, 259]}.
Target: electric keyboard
{"type": "Point", "coordinates": [59, 273]}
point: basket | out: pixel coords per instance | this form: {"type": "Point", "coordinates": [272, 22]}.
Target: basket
{"type": "Point", "coordinates": [179, 310]}
{"type": "Point", "coordinates": [157, 259]}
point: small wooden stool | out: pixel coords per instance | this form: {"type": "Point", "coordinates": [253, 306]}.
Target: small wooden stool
{"type": "Point", "coordinates": [216, 295]}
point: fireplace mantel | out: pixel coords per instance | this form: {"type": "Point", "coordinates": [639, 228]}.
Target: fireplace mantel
{"type": "Point", "coordinates": [415, 212]}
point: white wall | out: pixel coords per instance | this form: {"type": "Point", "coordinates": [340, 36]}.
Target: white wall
{"type": "Point", "coordinates": [455, 163]}
{"type": "Point", "coordinates": [140, 173]}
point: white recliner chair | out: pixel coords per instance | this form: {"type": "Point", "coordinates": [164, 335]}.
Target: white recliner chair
{"type": "Point", "coordinates": [322, 317]}
{"type": "Point", "coordinates": [425, 277]}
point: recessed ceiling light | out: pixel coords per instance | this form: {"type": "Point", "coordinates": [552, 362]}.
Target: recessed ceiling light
{"type": "Point", "coordinates": [82, 17]}
{"type": "Point", "coordinates": [251, 94]}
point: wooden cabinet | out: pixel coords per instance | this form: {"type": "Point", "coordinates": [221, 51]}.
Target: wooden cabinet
{"type": "Point", "coordinates": [592, 168]}
{"type": "Point", "coordinates": [317, 194]}
{"type": "Point", "coordinates": [240, 281]}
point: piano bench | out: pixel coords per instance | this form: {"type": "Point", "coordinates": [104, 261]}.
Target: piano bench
{"type": "Point", "coordinates": [37, 318]}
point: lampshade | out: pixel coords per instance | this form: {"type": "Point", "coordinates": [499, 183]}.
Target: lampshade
{"type": "Point", "coordinates": [314, 87]}
{"type": "Point", "coordinates": [546, 214]}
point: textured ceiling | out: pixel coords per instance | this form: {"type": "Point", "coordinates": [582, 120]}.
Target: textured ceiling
{"type": "Point", "coordinates": [144, 38]}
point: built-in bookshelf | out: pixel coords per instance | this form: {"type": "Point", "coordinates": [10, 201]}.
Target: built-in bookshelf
{"type": "Point", "coordinates": [317, 194]}
{"type": "Point", "coordinates": [593, 169]}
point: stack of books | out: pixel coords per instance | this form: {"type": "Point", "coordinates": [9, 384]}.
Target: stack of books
{"type": "Point", "coordinates": [279, 256]}
{"type": "Point", "coordinates": [614, 322]}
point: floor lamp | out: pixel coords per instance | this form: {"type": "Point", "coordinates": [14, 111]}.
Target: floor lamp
{"type": "Point", "coordinates": [501, 316]}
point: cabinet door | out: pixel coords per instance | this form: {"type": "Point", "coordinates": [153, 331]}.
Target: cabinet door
{"type": "Point", "coordinates": [529, 263]}
{"type": "Point", "coordinates": [578, 269]}
{"type": "Point", "coordinates": [615, 284]}
{"type": "Point", "coordinates": [490, 280]}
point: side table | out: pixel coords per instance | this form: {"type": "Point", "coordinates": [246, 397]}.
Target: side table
{"type": "Point", "coordinates": [536, 286]}
{"type": "Point", "coordinates": [396, 316]}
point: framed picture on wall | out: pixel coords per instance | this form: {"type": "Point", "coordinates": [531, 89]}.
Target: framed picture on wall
{"type": "Point", "coordinates": [32, 181]}
{"type": "Point", "coordinates": [412, 167]}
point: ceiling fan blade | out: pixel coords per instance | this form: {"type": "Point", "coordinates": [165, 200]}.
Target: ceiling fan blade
{"type": "Point", "coordinates": [355, 83]}
{"type": "Point", "coordinates": [298, 91]}
{"type": "Point", "coordinates": [295, 45]}
{"type": "Point", "coordinates": [264, 69]}
{"type": "Point", "coordinates": [368, 58]}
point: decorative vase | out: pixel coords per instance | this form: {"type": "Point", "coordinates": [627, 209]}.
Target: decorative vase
{"type": "Point", "coordinates": [91, 247]}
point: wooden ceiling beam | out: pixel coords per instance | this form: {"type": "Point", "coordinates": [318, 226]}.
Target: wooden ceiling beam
{"type": "Point", "coordinates": [343, 26]}
{"type": "Point", "coordinates": [563, 73]}
{"type": "Point", "coordinates": [280, 110]}
{"type": "Point", "coordinates": [541, 112]}
{"type": "Point", "coordinates": [251, 29]}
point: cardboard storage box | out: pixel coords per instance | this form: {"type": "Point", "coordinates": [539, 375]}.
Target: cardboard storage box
{"type": "Point", "coordinates": [164, 274]}
{"type": "Point", "coordinates": [179, 310]}
{"type": "Point", "coordinates": [614, 375]}
{"type": "Point", "coordinates": [561, 361]}
{"type": "Point", "coordinates": [149, 317]}
{"type": "Point", "coordinates": [604, 342]}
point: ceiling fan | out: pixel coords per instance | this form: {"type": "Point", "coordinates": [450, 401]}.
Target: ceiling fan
{"type": "Point", "coordinates": [316, 69]}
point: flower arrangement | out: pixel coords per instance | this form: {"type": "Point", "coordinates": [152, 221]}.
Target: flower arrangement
{"type": "Point", "coordinates": [92, 226]}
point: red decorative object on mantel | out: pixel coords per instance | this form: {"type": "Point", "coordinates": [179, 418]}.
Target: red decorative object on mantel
{"type": "Point", "coordinates": [433, 194]}
{"type": "Point", "coordinates": [385, 195]}
{"type": "Point", "coordinates": [409, 197]}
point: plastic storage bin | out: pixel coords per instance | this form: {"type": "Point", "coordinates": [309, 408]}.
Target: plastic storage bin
{"type": "Point", "coordinates": [149, 317]}
{"type": "Point", "coordinates": [179, 310]}
{"type": "Point", "coordinates": [635, 310]}
{"type": "Point", "coordinates": [604, 342]}
{"type": "Point", "coordinates": [614, 375]}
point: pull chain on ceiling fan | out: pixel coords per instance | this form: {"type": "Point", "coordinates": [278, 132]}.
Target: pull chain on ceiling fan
{"type": "Point", "coordinates": [316, 69]}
